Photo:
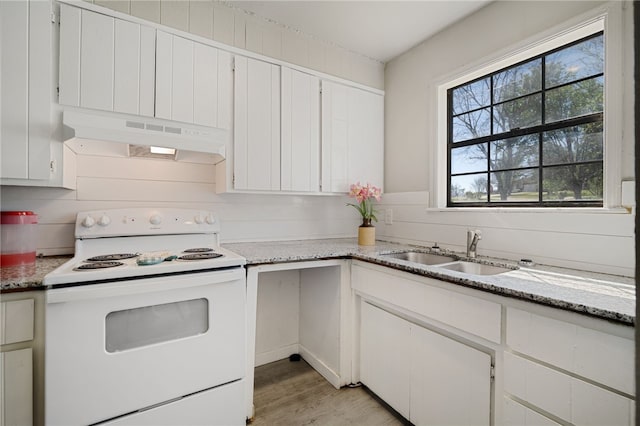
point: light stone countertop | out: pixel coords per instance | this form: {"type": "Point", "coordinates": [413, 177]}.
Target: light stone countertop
{"type": "Point", "coordinates": [21, 278]}
{"type": "Point", "coordinates": [605, 296]}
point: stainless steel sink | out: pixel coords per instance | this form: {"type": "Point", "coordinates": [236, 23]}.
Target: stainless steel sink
{"type": "Point", "coordinates": [475, 268]}
{"type": "Point", "coordinates": [423, 258]}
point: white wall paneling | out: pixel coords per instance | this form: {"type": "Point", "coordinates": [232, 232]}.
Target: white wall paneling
{"type": "Point", "coordinates": [579, 239]}
{"type": "Point", "coordinates": [70, 35]}
{"type": "Point", "coordinates": [233, 27]}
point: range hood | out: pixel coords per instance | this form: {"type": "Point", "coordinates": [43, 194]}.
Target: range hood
{"type": "Point", "coordinates": [113, 134]}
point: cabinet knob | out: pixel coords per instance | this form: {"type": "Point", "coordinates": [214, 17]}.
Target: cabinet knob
{"type": "Point", "coordinates": [211, 219]}
{"type": "Point", "coordinates": [199, 219]}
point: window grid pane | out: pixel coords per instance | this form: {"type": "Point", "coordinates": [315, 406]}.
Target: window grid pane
{"type": "Point", "coordinates": [531, 142]}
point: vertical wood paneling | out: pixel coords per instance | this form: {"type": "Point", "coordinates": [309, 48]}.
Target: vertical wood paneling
{"type": "Point", "coordinates": [69, 79]}
{"type": "Point", "coordinates": [147, 70]}
{"type": "Point", "coordinates": [96, 61]}
{"type": "Point", "coordinates": [146, 9]}
{"type": "Point", "coordinates": [225, 89]}
{"type": "Point", "coordinates": [223, 24]}
{"type": "Point", "coordinates": [205, 79]}
{"type": "Point", "coordinates": [123, 6]}
{"type": "Point", "coordinates": [40, 89]}
{"type": "Point", "coordinates": [182, 80]}
{"type": "Point", "coordinates": [239, 25]}
{"type": "Point", "coordinates": [201, 18]}
{"type": "Point", "coordinates": [240, 123]}
{"type": "Point", "coordinates": [164, 74]}
{"type": "Point", "coordinates": [14, 26]}
{"type": "Point", "coordinates": [175, 14]}
{"type": "Point", "coordinates": [127, 67]}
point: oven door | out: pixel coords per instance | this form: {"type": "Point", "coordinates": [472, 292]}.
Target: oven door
{"type": "Point", "coordinates": [116, 348]}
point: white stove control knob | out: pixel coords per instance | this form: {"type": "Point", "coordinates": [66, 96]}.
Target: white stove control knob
{"type": "Point", "coordinates": [211, 219]}
{"type": "Point", "coordinates": [104, 220]}
{"type": "Point", "coordinates": [199, 219]}
{"type": "Point", "coordinates": [155, 219]}
{"type": "Point", "coordinates": [88, 222]}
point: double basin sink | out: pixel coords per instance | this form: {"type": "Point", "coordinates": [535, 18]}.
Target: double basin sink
{"type": "Point", "coordinates": [448, 262]}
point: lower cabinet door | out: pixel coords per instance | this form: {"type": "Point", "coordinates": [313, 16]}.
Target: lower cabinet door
{"type": "Point", "coordinates": [16, 387]}
{"type": "Point", "coordinates": [428, 378]}
{"type": "Point", "coordinates": [384, 356]}
{"type": "Point", "coordinates": [450, 381]}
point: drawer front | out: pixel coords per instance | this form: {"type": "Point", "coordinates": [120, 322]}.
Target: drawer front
{"type": "Point", "coordinates": [593, 354]}
{"type": "Point", "coordinates": [474, 315]}
{"type": "Point", "coordinates": [16, 321]}
{"type": "Point", "coordinates": [566, 397]}
{"type": "Point", "coordinates": [516, 414]}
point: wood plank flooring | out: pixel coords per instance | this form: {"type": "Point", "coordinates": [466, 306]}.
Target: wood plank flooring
{"type": "Point", "coordinates": [292, 393]}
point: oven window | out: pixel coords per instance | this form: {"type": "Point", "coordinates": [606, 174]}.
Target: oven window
{"type": "Point", "coordinates": [133, 328]}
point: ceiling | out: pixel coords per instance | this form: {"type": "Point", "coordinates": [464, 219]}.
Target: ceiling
{"type": "Point", "coordinates": [380, 30]}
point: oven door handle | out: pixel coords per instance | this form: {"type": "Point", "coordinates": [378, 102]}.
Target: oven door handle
{"type": "Point", "coordinates": [143, 285]}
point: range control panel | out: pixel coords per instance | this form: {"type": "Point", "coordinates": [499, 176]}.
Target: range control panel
{"type": "Point", "coordinates": [145, 221]}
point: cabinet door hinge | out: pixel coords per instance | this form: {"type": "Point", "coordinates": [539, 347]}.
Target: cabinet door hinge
{"type": "Point", "coordinates": [492, 372]}
{"type": "Point", "coordinates": [54, 17]}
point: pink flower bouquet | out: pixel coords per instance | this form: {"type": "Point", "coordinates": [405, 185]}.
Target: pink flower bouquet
{"type": "Point", "coordinates": [364, 195]}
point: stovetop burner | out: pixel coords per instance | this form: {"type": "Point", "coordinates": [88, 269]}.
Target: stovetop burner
{"type": "Point", "coordinates": [198, 250]}
{"type": "Point", "coordinates": [200, 256]}
{"type": "Point", "coordinates": [97, 265]}
{"type": "Point", "coordinates": [111, 257]}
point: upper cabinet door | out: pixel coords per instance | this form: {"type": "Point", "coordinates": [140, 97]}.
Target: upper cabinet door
{"type": "Point", "coordinates": [25, 81]}
{"type": "Point", "coordinates": [352, 137]}
{"type": "Point", "coordinates": [300, 143]}
{"type": "Point", "coordinates": [256, 125]}
{"type": "Point", "coordinates": [193, 82]}
{"type": "Point", "coordinates": [97, 61]}
{"type": "Point", "coordinates": [106, 63]}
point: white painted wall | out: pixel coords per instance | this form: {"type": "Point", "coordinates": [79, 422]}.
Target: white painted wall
{"type": "Point", "coordinates": [214, 20]}
{"type": "Point", "coordinates": [584, 240]}
{"type": "Point", "coordinates": [111, 182]}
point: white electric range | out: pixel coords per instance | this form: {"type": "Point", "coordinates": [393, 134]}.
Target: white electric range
{"type": "Point", "coordinates": [146, 323]}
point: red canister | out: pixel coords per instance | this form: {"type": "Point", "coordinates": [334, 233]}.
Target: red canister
{"type": "Point", "coordinates": [18, 229]}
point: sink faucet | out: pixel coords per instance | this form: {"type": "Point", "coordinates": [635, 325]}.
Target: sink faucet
{"type": "Point", "coordinates": [472, 242]}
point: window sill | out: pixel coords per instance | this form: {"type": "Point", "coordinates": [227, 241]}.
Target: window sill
{"type": "Point", "coordinates": [561, 210]}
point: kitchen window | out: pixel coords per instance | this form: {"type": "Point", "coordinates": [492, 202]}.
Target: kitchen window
{"type": "Point", "coordinates": [530, 134]}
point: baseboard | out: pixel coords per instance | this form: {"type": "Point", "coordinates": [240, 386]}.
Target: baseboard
{"type": "Point", "coordinates": [277, 354]}
{"type": "Point", "coordinates": [324, 370]}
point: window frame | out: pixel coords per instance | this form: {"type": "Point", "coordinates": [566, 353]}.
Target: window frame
{"type": "Point", "coordinates": [607, 18]}
{"type": "Point", "coordinates": [537, 130]}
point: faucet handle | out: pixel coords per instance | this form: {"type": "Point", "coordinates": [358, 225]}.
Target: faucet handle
{"type": "Point", "coordinates": [478, 234]}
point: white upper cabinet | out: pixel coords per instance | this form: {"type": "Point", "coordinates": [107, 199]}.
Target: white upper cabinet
{"type": "Point", "coordinates": [25, 79]}
{"type": "Point", "coordinates": [352, 137]}
{"type": "Point", "coordinates": [193, 82]}
{"type": "Point", "coordinates": [106, 63]}
{"type": "Point", "coordinates": [112, 64]}
{"type": "Point", "coordinates": [256, 136]}
{"type": "Point", "coordinates": [300, 143]}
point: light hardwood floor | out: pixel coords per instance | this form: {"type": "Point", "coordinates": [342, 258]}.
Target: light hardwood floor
{"type": "Point", "coordinates": [292, 393]}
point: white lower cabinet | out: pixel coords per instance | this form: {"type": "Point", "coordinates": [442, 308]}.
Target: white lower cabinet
{"type": "Point", "coordinates": [385, 344]}
{"type": "Point", "coordinates": [427, 347]}
{"type": "Point", "coordinates": [427, 377]}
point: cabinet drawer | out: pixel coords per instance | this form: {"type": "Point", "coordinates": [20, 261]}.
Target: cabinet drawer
{"type": "Point", "coordinates": [599, 356]}
{"type": "Point", "coordinates": [516, 414]}
{"type": "Point", "coordinates": [566, 397]}
{"type": "Point", "coordinates": [471, 314]}
{"type": "Point", "coordinates": [16, 321]}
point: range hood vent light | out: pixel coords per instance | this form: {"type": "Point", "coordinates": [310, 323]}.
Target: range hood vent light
{"type": "Point", "coordinates": [84, 128]}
